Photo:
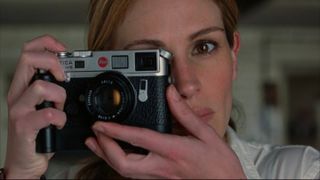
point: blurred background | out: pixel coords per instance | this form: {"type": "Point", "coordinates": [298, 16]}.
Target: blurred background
{"type": "Point", "coordinates": [278, 85]}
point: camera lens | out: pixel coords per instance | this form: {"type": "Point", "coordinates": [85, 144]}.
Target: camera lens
{"type": "Point", "coordinates": [110, 97]}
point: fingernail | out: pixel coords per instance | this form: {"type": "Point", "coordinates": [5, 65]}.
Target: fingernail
{"type": "Point", "coordinates": [66, 76]}
{"type": "Point", "coordinates": [98, 128]}
{"type": "Point", "coordinates": [62, 77]}
{"type": "Point", "coordinates": [90, 145]}
{"type": "Point", "coordinates": [61, 46]}
{"type": "Point", "coordinates": [64, 47]}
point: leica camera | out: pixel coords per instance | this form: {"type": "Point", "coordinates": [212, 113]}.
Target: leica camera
{"type": "Point", "coordinates": [126, 87]}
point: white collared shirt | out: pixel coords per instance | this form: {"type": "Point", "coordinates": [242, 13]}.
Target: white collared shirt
{"type": "Point", "coordinates": [275, 162]}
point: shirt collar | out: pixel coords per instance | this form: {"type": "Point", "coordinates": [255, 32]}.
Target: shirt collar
{"type": "Point", "coordinates": [239, 147]}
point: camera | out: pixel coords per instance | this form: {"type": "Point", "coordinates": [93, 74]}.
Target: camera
{"type": "Point", "coordinates": [126, 87]}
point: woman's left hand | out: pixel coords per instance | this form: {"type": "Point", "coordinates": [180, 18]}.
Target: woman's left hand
{"type": "Point", "coordinates": [203, 154]}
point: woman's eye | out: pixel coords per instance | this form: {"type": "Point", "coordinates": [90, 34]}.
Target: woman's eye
{"type": "Point", "coordinates": [204, 47]}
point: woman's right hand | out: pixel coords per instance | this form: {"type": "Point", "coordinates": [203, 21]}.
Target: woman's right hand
{"type": "Point", "coordinates": [25, 121]}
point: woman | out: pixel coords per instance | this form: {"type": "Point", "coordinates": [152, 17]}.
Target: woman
{"type": "Point", "coordinates": [203, 38]}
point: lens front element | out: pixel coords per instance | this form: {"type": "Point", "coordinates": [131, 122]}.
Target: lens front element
{"type": "Point", "coordinates": [108, 99]}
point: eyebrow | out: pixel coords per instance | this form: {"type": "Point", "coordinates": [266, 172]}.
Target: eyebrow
{"type": "Point", "coordinates": [205, 31]}
{"type": "Point", "coordinates": [151, 42]}
{"type": "Point", "coordinates": [158, 43]}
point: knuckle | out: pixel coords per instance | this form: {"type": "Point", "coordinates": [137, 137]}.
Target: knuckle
{"type": "Point", "coordinates": [39, 87]}
{"type": "Point", "coordinates": [25, 57]}
{"type": "Point", "coordinates": [48, 114]}
{"type": "Point", "coordinates": [49, 91]}
{"type": "Point", "coordinates": [47, 37]}
{"type": "Point", "coordinates": [54, 116]}
{"type": "Point", "coordinates": [26, 45]}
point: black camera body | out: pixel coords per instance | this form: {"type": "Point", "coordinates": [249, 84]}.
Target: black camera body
{"type": "Point", "coordinates": [127, 87]}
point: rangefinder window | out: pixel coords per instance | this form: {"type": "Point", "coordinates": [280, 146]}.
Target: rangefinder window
{"type": "Point", "coordinates": [146, 61]}
{"type": "Point", "coordinates": [120, 62]}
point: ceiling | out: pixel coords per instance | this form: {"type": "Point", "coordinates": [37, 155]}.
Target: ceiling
{"type": "Point", "coordinates": [253, 12]}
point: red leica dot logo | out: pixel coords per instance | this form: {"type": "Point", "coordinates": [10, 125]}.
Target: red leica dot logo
{"type": "Point", "coordinates": [103, 62]}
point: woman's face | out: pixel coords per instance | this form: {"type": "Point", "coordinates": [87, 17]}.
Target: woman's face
{"type": "Point", "coordinates": [203, 66]}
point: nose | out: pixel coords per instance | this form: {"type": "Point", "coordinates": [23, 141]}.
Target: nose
{"type": "Point", "coordinates": [185, 78]}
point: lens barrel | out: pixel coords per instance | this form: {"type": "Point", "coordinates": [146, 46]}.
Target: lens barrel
{"type": "Point", "coordinates": [110, 97]}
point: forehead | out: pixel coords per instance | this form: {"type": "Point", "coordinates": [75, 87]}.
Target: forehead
{"type": "Point", "coordinates": [180, 16]}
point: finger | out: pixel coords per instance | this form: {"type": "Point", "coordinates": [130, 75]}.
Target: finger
{"type": "Point", "coordinates": [26, 69]}
{"type": "Point", "coordinates": [148, 139]}
{"type": "Point", "coordinates": [48, 116]}
{"type": "Point", "coordinates": [42, 60]}
{"type": "Point", "coordinates": [184, 114]}
{"type": "Point", "coordinates": [45, 42]}
{"type": "Point", "coordinates": [27, 128]}
{"type": "Point", "coordinates": [128, 165]}
{"type": "Point", "coordinates": [36, 120]}
{"type": "Point", "coordinates": [93, 145]}
{"type": "Point", "coordinates": [111, 151]}
{"type": "Point", "coordinates": [40, 91]}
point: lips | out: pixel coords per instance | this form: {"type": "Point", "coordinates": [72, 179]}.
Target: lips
{"type": "Point", "coordinates": [204, 114]}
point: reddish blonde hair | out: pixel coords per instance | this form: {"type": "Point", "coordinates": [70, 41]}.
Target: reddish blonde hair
{"type": "Point", "coordinates": [104, 18]}
{"type": "Point", "coordinates": [230, 15]}
{"type": "Point", "coordinates": [106, 15]}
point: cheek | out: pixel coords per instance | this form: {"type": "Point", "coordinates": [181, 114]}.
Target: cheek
{"type": "Point", "coordinates": [217, 91]}
{"type": "Point", "coordinates": [217, 80]}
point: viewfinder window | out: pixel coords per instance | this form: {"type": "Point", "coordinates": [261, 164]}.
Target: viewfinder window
{"type": "Point", "coordinates": [146, 61]}
{"type": "Point", "coordinates": [79, 64]}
